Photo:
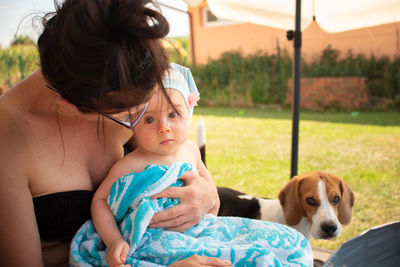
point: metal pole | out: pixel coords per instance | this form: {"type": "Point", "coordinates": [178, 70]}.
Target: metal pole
{"type": "Point", "coordinates": [296, 90]}
{"type": "Point", "coordinates": [192, 48]}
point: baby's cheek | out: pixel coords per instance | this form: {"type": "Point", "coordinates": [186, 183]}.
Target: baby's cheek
{"type": "Point", "coordinates": [149, 138]}
{"type": "Point", "coordinates": [144, 137]}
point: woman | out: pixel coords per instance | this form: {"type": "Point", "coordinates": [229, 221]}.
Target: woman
{"type": "Point", "coordinates": [63, 127]}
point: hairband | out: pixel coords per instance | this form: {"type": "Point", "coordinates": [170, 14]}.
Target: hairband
{"type": "Point", "coordinates": [181, 79]}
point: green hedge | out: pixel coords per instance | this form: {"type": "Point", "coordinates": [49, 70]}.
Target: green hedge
{"type": "Point", "coordinates": [246, 81]}
{"type": "Point", "coordinates": [383, 74]}
{"type": "Point", "coordinates": [236, 80]}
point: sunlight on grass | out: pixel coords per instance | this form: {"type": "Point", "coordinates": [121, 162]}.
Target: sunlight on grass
{"type": "Point", "coordinates": [250, 151]}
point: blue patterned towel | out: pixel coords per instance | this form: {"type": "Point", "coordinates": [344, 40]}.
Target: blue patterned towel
{"type": "Point", "coordinates": [243, 241]}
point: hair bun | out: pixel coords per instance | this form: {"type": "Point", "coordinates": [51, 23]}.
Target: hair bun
{"type": "Point", "coordinates": [137, 19]}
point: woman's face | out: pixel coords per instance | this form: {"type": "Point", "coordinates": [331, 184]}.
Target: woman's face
{"type": "Point", "coordinates": [128, 118]}
{"type": "Point", "coordinates": [162, 129]}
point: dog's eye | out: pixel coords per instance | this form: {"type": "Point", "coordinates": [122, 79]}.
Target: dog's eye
{"type": "Point", "coordinates": [336, 200]}
{"type": "Point", "coordinates": [310, 201]}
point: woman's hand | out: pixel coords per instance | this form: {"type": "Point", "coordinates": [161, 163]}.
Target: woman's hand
{"type": "Point", "coordinates": [199, 261]}
{"type": "Point", "coordinates": [117, 253]}
{"type": "Point", "coordinates": [198, 197]}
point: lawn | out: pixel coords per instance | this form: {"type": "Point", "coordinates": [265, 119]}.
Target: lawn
{"type": "Point", "coordinates": [249, 150]}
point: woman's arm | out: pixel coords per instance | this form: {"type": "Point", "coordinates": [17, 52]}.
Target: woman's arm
{"type": "Point", "coordinates": [20, 242]}
{"type": "Point", "coordinates": [198, 197]}
{"type": "Point", "coordinates": [203, 171]}
{"type": "Point", "coordinates": [104, 221]}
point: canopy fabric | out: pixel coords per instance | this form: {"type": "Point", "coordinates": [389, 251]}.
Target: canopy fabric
{"type": "Point", "coordinates": [332, 16]}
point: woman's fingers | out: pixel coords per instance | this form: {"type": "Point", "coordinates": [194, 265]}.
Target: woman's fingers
{"type": "Point", "coordinates": [189, 176]}
{"type": "Point", "coordinates": [181, 228]}
{"type": "Point", "coordinates": [204, 191]}
{"type": "Point", "coordinates": [211, 261]}
{"type": "Point", "coordinates": [170, 192]}
{"type": "Point", "coordinates": [178, 224]}
{"type": "Point", "coordinates": [201, 261]}
{"type": "Point", "coordinates": [197, 198]}
{"type": "Point", "coordinates": [180, 217]}
{"type": "Point", "coordinates": [177, 218]}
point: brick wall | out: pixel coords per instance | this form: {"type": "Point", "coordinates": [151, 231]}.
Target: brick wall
{"type": "Point", "coordinates": [347, 93]}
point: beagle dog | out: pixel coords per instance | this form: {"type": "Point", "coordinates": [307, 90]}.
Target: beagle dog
{"type": "Point", "coordinates": [315, 204]}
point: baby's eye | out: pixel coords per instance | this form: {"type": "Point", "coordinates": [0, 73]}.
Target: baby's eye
{"type": "Point", "coordinates": [173, 115]}
{"type": "Point", "coordinates": [149, 120]}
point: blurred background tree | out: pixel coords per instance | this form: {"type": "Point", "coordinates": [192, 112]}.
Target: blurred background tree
{"type": "Point", "coordinates": [22, 40]}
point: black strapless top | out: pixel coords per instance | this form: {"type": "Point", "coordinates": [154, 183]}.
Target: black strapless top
{"type": "Point", "coordinates": [59, 215]}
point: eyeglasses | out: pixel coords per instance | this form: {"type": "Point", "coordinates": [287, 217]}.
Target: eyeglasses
{"type": "Point", "coordinates": [125, 118]}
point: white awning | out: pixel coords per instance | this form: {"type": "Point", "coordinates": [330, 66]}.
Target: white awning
{"type": "Point", "coordinates": [331, 15]}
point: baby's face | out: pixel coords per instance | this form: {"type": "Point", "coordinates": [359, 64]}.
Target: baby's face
{"type": "Point", "coordinates": [162, 129]}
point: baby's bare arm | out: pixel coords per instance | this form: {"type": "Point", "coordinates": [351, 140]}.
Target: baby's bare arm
{"type": "Point", "coordinates": [104, 220]}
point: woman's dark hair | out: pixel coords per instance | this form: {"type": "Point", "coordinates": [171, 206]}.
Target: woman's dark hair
{"type": "Point", "coordinates": [104, 55]}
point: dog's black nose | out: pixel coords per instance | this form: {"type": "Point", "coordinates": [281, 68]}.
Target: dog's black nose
{"type": "Point", "coordinates": [329, 228]}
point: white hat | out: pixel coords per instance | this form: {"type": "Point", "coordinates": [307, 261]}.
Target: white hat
{"type": "Point", "coordinates": [181, 79]}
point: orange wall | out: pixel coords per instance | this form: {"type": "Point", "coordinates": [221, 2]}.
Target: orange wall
{"type": "Point", "coordinates": [210, 41]}
{"type": "Point", "coordinates": [379, 40]}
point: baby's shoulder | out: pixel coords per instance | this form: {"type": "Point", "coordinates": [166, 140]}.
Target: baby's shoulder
{"type": "Point", "coordinates": [189, 152]}
{"type": "Point", "coordinates": [189, 144]}
{"type": "Point", "coordinates": [128, 164]}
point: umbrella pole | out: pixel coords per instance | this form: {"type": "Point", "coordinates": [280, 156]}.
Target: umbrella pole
{"type": "Point", "coordinates": [296, 90]}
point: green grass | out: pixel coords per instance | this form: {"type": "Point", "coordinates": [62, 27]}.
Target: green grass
{"type": "Point", "coordinates": [249, 150]}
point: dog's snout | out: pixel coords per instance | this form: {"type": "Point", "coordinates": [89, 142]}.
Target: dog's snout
{"type": "Point", "coordinates": [329, 228]}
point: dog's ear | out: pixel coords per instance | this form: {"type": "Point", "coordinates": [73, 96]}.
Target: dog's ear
{"type": "Point", "coordinates": [290, 202]}
{"type": "Point", "coordinates": [346, 204]}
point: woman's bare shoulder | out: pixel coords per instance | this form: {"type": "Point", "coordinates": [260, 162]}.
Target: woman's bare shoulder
{"type": "Point", "coordinates": [12, 135]}
{"type": "Point", "coordinates": [13, 152]}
